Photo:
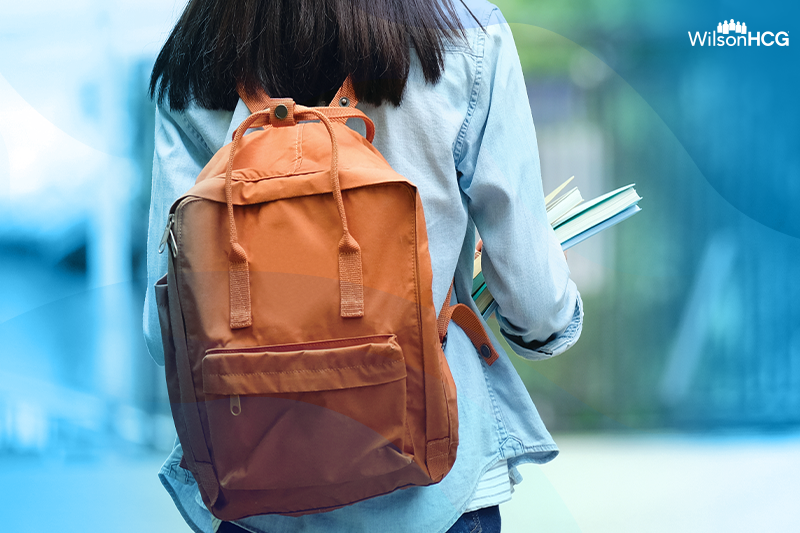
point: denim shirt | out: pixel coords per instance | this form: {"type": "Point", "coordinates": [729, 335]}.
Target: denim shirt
{"type": "Point", "coordinates": [468, 144]}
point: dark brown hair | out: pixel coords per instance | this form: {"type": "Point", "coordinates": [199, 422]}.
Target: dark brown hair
{"type": "Point", "coordinates": [301, 49]}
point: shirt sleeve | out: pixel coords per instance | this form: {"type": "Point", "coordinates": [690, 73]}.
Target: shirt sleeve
{"type": "Point", "coordinates": [538, 306]}
{"type": "Point", "coordinates": [180, 154]}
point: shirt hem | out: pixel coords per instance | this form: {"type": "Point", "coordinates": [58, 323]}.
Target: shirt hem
{"type": "Point", "coordinates": [177, 501]}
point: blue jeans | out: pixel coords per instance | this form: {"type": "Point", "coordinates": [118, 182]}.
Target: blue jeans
{"type": "Point", "coordinates": [485, 520]}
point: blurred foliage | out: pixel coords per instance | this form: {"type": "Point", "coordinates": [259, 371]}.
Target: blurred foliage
{"type": "Point", "coordinates": [547, 52]}
{"type": "Point", "coordinates": [656, 108]}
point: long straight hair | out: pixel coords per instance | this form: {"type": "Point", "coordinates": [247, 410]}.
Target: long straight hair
{"type": "Point", "coordinates": [301, 49]}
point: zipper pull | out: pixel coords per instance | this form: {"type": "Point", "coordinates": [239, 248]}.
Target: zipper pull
{"type": "Point", "coordinates": [236, 405]}
{"type": "Point", "coordinates": [169, 237]}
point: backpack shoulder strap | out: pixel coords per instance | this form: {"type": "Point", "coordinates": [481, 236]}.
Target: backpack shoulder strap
{"type": "Point", "coordinates": [345, 97]}
{"type": "Point", "coordinates": [254, 102]}
{"type": "Point", "coordinates": [467, 320]}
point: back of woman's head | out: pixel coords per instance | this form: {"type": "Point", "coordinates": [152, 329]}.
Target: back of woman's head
{"type": "Point", "coordinates": [301, 49]}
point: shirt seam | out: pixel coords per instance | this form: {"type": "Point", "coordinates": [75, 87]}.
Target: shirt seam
{"type": "Point", "coordinates": [473, 101]}
{"type": "Point", "coordinates": [530, 449]}
{"type": "Point", "coordinates": [192, 131]}
{"type": "Point", "coordinates": [501, 423]}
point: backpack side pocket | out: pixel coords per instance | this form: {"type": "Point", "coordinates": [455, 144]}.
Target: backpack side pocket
{"type": "Point", "coordinates": [162, 303]}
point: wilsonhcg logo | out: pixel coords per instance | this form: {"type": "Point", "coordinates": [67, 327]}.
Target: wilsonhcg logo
{"type": "Point", "coordinates": [734, 33]}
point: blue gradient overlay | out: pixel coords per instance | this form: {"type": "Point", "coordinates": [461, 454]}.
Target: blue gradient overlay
{"type": "Point", "coordinates": [688, 367]}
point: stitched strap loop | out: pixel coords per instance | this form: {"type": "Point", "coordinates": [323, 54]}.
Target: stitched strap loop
{"type": "Point", "coordinates": [345, 99]}
{"type": "Point", "coordinates": [468, 321]}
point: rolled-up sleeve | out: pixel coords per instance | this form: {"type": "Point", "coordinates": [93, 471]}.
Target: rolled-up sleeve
{"type": "Point", "coordinates": [538, 306]}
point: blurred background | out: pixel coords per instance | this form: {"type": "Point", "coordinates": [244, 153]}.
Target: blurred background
{"type": "Point", "coordinates": [679, 409]}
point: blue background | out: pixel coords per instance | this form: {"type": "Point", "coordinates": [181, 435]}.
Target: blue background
{"type": "Point", "coordinates": [682, 398]}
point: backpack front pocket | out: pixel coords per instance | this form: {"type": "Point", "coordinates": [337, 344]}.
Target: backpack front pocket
{"type": "Point", "coordinates": [306, 415]}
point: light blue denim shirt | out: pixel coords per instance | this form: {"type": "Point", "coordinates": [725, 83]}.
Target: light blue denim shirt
{"type": "Point", "coordinates": [468, 143]}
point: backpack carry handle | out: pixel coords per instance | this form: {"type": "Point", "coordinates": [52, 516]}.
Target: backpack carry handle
{"type": "Point", "coordinates": [264, 117]}
{"type": "Point", "coordinates": [345, 98]}
{"type": "Point", "coordinates": [351, 285]}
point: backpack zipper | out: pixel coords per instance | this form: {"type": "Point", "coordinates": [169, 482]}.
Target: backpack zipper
{"type": "Point", "coordinates": [236, 405]}
{"type": "Point", "coordinates": [169, 237]}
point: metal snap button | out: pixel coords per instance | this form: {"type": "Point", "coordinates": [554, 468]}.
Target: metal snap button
{"type": "Point", "coordinates": [344, 101]}
{"type": "Point", "coordinates": [281, 111]}
{"type": "Point", "coordinates": [486, 352]}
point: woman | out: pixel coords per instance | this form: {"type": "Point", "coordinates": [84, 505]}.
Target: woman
{"type": "Point", "coordinates": [443, 85]}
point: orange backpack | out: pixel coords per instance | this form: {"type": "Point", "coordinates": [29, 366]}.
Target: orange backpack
{"type": "Point", "coordinates": [303, 353]}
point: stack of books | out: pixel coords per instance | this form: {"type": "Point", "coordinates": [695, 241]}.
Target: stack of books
{"type": "Point", "coordinates": [573, 221]}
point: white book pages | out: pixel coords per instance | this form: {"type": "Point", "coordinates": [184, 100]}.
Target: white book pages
{"type": "Point", "coordinates": [549, 198]}
{"type": "Point", "coordinates": [562, 207]}
{"type": "Point", "coordinates": [587, 217]}
{"type": "Point", "coordinates": [591, 203]}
